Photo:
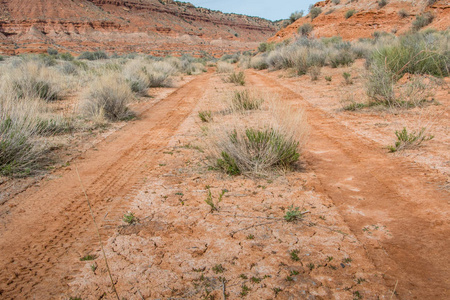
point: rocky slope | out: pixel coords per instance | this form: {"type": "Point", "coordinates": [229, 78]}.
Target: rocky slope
{"type": "Point", "coordinates": [369, 17]}
{"type": "Point", "coordinates": [122, 26]}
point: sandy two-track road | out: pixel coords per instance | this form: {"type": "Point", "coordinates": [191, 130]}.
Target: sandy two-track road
{"type": "Point", "coordinates": [47, 228]}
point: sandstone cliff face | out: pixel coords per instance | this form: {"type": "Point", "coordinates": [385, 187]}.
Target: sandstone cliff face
{"type": "Point", "coordinates": [368, 18]}
{"type": "Point", "coordinates": [148, 26]}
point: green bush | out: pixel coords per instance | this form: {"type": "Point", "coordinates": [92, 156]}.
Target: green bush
{"type": "Point", "coordinates": [205, 116]}
{"type": "Point", "coordinates": [414, 54]}
{"type": "Point", "coordinates": [266, 47]}
{"type": "Point", "coordinates": [52, 51]}
{"type": "Point", "coordinates": [1, 58]}
{"type": "Point", "coordinates": [305, 29]}
{"type": "Point", "coordinates": [382, 3]}
{"type": "Point", "coordinates": [93, 55]}
{"type": "Point", "coordinates": [349, 13]}
{"type": "Point", "coordinates": [341, 58]}
{"type": "Point", "coordinates": [422, 21]}
{"type": "Point", "coordinates": [314, 12]}
{"type": "Point", "coordinates": [66, 56]}
{"type": "Point", "coordinates": [407, 139]}
{"type": "Point", "coordinates": [257, 151]}
{"type": "Point", "coordinates": [295, 16]}
{"type": "Point", "coordinates": [403, 13]}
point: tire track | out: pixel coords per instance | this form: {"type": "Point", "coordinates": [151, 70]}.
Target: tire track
{"type": "Point", "coordinates": [50, 229]}
{"type": "Point", "coordinates": [373, 190]}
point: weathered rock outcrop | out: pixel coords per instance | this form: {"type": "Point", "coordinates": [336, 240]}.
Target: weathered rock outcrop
{"type": "Point", "coordinates": [368, 17]}
{"type": "Point", "coordinates": [148, 26]}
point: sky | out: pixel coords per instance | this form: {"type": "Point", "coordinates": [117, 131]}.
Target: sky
{"type": "Point", "coordinates": [268, 9]}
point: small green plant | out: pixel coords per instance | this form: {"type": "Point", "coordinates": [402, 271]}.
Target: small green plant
{"type": "Point", "coordinates": [255, 279]}
{"type": "Point", "coordinates": [218, 269]}
{"type": "Point", "coordinates": [94, 267]}
{"type": "Point", "coordinates": [250, 237]}
{"type": "Point", "coordinates": [360, 280]}
{"type": "Point", "coordinates": [210, 201]}
{"type": "Point", "coordinates": [347, 260]}
{"type": "Point", "coordinates": [289, 278]}
{"type": "Point", "coordinates": [349, 13]}
{"type": "Point", "coordinates": [311, 266]}
{"type": "Point", "coordinates": [277, 290]}
{"type": "Point", "coordinates": [244, 290]}
{"type": "Point", "coordinates": [205, 116]}
{"type": "Point", "coordinates": [2, 58]}
{"type": "Point", "coordinates": [293, 214]}
{"type": "Point", "coordinates": [294, 273]}
{"type": "Point", "coordinates": [88, 257]}
{"type": "Point", "coordinates": [347, 78]}
{"type": "Point", "coordinates": [357, 295]}
{"type": "Point", "coordinates": [130, 218]}
{"type": "Point", "coordinates": [407, 139]}
{"type": "Point", "coordinates": [237, 78]}
{"type": "Point", "coordinates": [243, 276]}
{"type": "Point", "coordinates": [328, 78]}
{"type": "Point", "coordinates": [294, 255]}
{"type": "Point", "coordinates": [295, 16]}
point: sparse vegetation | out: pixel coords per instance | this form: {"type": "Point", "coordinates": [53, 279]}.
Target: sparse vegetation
{"type": "Point", "coordinates": [88, 257]}
{"type": "Point", "coordinates": [314, 12]}
{"type": "Point", "coordinates": [108, 97]}
{"type": "Point", "coordinates": [224, 67]}
{"type": "Point", "coordinates": [93, 55]}
{"type": "Point", "coordinates": [293, 214]}
{"type": "Point", "coordinates": [244, 101]}
{"type": "Point", "coordinates": [409, 140]}
{"type": "Point", "coordinates": [205, 116]}
{"type": "Point", "coordinates": [422, 21]}
{"type": "Point", "coordinates": [295, 16]}
{"type": "Point", "coordinates": [130, 218]}
{"type": "Point", "coordinates": [210, 201]}
{"type": "Point", "coordinates": [294, 255]}
{"type": "Point", "coordinates": [403, 13]}
{"type": "Point", "coordinates": [349, 13]}
{"type": "Point", "coordinates": [347, 78]}
{"type": "Point", "coordinates": [237, 78]}
{"type": "Point", "coordinates": [305, 29]}
{"type": "Point", "coordinates": [382, 3]}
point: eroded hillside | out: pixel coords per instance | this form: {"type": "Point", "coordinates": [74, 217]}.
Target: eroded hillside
{"type": "Point", "coordinates": [361, 19]}
{"type": "Point", "coordinates": [148, 26]}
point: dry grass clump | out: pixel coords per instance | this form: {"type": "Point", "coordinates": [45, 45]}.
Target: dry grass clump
{"type": "Point", "coordinates": [108, 97]}
{"type": "Point", "coordinates": [224, 67]}
{"type": "Point", "coordinates": [23, 123]}
{"type": "Point", "coordinates": [32, 79]}
{"type": "Point", "coordinates": [263, 142]}
{"type": "Point", "coordinates": [236, 78]}
{"type": "Point", "coordinates": [244, 101]}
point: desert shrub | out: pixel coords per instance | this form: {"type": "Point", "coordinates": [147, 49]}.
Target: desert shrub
{"type": "Point", "coordinates": [2, 58]}
{"type": "Point", "coordinates": [431, 2]}
{"type": "Point", "coordinates": [330, 11]}
{"type": "Point", "coordinates": [380, 85]}
{"type": "Point", "coordinates": [256, 150]}
{"type": "Point", "coordinates": [407, 139]}
{"type": "Point", "coordinates": [362, 49]}
{"type": "Point", "coordinates": [30, 79]}
{"type": "Point", "coordinates": [341, 58]}
{"type": "Point", "coordinates": [314, 12]}
{"type": "Point", "coordinates": [328, 78]}
{"type": "Point", "coordinates": [349, 13]}
{"type": "Point", "coordinates": [422, 21]}
{"type": "Point", "coordinates": [224, 67]}
{"type": "Point", "coordinates": [403, 13]}
{"type": "Point", "coordinates": [336, 2]}
{"type": "Point", "coordinates": [414, 54]}
{"type": "Point", "coordinates": [108, 97]}
{"type": "Point", "coordinates": [51, 51]}
{"type": "Point", "coordinates": [68, 68]}
{"type": "Point", "coordinates": [159, 74]}
{"type": "Point", "coordinates": [81, 64]}
{"type": "Point", "coordinates": [259, 63]}
{"type": "Point", "coordinates": [244, 100]}
{"type": "Point", "coordinates": [236, 78]}
{"type": "Point", "coordinates": [93, 55]}
{"type": "Point", "coordinates": [382, 3]}
{"type": "Point", "coordinates": [305, 29]}
{"type": "Point", "coordinates": [266, 47]}
{"type": "Point", "coordinates": [295, 16]}
{"type": "Point", "coordinates": [136, 75]}
{"type": "Point", "coordinates": [65, 56]}
{"type": "Point", "coordinates": [22, 122]}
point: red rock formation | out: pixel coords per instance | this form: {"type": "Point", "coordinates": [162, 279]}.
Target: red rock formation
{"type": "Point", "coordinates": [368, 18]}
{"type": "Point", "coordinates": [149, 26]}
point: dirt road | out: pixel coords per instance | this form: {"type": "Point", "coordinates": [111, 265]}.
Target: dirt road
{"type": "Point", "coordinates": [394, 209]}
{"type": "Point", "coordinates": [49, 226]}
{"type": "Point", "coordinates": [378, 192]}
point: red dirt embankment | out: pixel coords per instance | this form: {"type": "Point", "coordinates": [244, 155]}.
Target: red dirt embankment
{"type": "Point", "coordinates": [149, 26]}
{"type": "Point", "coordinates": [368, 18]}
